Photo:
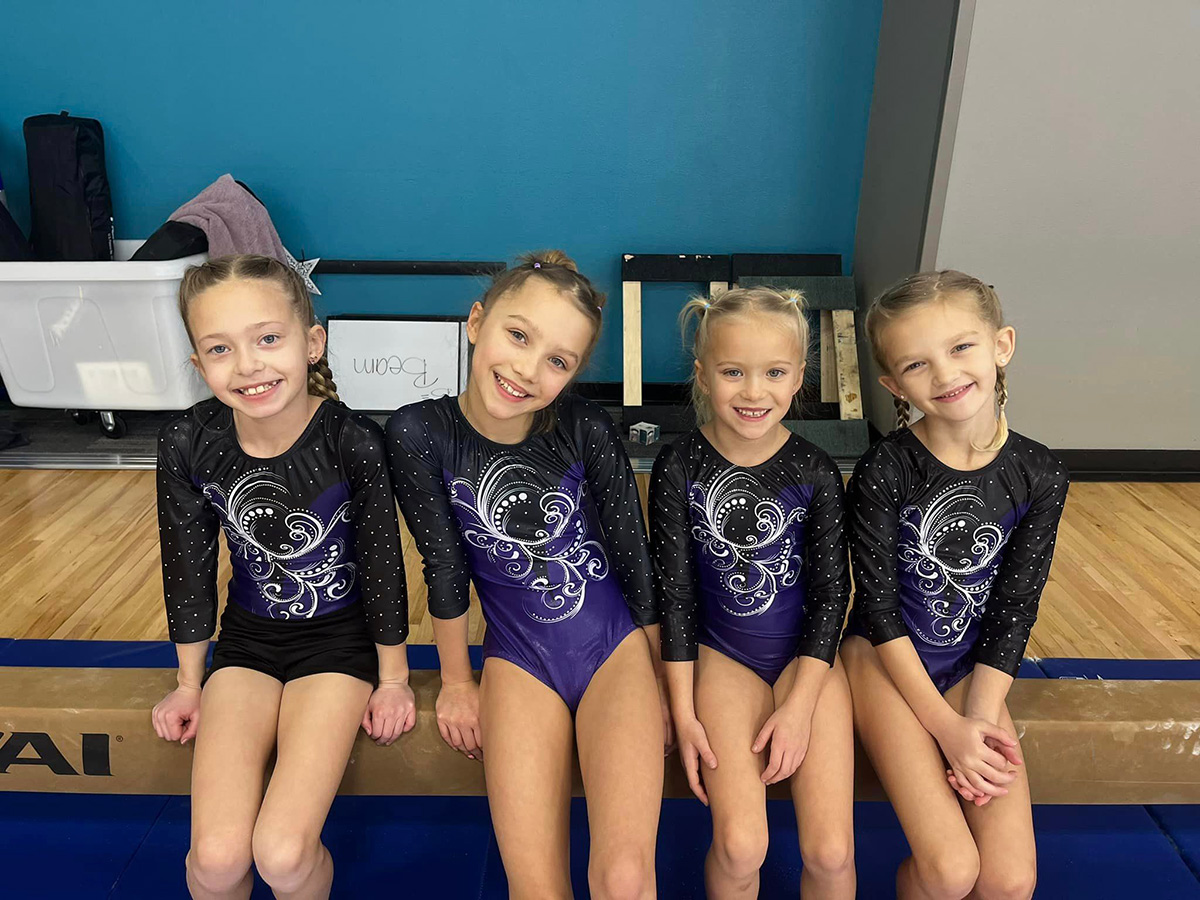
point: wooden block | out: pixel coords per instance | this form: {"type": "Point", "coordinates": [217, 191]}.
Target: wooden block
{"type": "Point", "coordinates": [846, 345]}
{"type": "Point", "coordinates": [631, 326]}
{"type": "Point", "coordinates": [716, 287]}
{"type": "Point", "coordinates": [829, 387]}
{"type": "Point", "coordinates": [88, 731]}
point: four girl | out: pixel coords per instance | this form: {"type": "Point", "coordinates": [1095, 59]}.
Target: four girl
{"type": "Point", "coordinates": [526, 490]}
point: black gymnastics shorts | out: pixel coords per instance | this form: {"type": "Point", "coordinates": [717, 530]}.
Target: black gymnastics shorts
{"type": "Point", "coordinates": [289, 649]}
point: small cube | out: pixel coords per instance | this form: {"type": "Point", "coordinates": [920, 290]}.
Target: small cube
{"type": "Point", "coordinates": [644, 433]}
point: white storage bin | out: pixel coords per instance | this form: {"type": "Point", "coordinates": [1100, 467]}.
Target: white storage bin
{"type": "Point", "coordinates": [97, 335]}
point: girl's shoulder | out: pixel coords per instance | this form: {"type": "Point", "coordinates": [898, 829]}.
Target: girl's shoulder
{"type": "Point", "coordinates": [204, 423]}
{"type": "Point", "coordinates": [424, 416]}
{"type": "Point", "coordinates": [575, 411]}
{"type": "Point", "coordinates": [1028, 453]}
{"type": "Point", "coordinates": [584, 425]}
{"type": "Point", "coordinates": [350, 430]}
{"type": "Point", "coordinates": [805, 458]}
{"type": "Point", "coordinates": [892, 449]}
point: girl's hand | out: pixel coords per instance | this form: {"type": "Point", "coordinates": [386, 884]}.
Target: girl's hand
{"type": "Point", "coordinates": [788, 730]}
{"type": "Point", "coordinates": [973, 762]}
{"type": "Point", "coordinates": [1012, 754]}
{"type": "Point", "coordinates": [458, 717]}
{"type": "Point", "coordinates": [664, 702]}
{"type": "Point", "coordinates": [391, 711]}
{"type": "Point", "coordinates": [176, 717]}
{"type": "Point", "coordinates": [693, 747]}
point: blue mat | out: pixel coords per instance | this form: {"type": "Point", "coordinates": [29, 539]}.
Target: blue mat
{"type": "Point", "coordinates": [133, 847]}
{"type": "Point", "coordinates": [1030, 669]}
{"type": "Point", "coordinates": [1123, 669]}
{"type": "Point", "coordinates": [148, 654]}
{"type": "Point", "coordinates": [411, 846]}
{"type": "Point", "coordinates": [161, 655]}
{"type": "Point", "coordinates": [1182, 825]}
{"type": "Point", "coordinates": [70, 845]}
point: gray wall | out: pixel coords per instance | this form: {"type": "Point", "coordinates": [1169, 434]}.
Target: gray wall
{"type": "Point", "coordinates": [1074, 188]}
{"type": "Point", "coordinates": [911, 70]}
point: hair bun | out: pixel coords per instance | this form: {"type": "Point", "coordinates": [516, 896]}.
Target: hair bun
{"type": "Point", "coordinates": [549, 258]}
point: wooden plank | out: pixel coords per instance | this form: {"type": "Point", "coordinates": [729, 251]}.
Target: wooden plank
{"type": "Point", "coordinates": [631, 327]}
{"type": "Point", "coordinates": [829, 385]}
{"type": "Point", "coordinates": [846, 344]}
{"type": "Point", "coordinates": [1083, 741]}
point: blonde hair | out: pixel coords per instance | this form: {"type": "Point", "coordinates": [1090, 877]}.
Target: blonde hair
{"type": "Point", "coordinates": [700, 313]}
{"type": "Point", "coordinates": [560, 272]}
{"type": "Point", "coordinates": [248, 267]}
{"type": "Point", "coordinates": [926, 287]}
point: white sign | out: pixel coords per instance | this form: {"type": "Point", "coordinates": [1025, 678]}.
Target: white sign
{"type": "Point", "coordinates": [382, 364]}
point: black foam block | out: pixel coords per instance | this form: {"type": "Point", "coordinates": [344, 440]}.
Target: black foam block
{"type": "Point", "coordinates": [675, 267]}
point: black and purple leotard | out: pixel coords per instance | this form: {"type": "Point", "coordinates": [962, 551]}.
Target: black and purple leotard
{"type": "Point", "coordinates": [310, 532]}
{"type": "Point", "coordinates": [550, 530]}
{"type": "Point", "coordinates": [954, 560]}
{"type": "Point", "coordinates": [750, 561]}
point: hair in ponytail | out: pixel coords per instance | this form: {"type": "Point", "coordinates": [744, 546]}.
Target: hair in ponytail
{"type": "Point", "coordinates": [700, 313]}
{"type": "Point", "coordinates": [249, 267]}
{"type": "Point", "coordinates": [558, 270]}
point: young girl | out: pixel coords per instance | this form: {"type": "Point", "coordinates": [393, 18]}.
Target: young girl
{"type": "Point", "coordinates": [750, 564]}
{"type": "Point", "coordinates": [953, 523]}
{"type": "Point", "coordinates": [528, 491]}
{"type": "Point", "coordinates": [300, 486]}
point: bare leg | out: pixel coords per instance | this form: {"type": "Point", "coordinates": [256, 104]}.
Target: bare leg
{"type": "Point", "coordinates": [620, 733]}
{"type": "Point", "coordinates": [823, 790]}
{"type": "Point", "coordinates": [238, 713]}
{"type": "Point", "coordinates": [945, 861]}
{"type": "Point", "coordinates": [319, 717]}
{"type": "Point", "coordinates": [527, 763]}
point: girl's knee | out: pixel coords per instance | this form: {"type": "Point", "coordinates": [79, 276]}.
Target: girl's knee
{"type": "Point", "coordinates": [218, 863]}
{"type": "Point", "coordinates": [828, 855]}
{"type": "Point", "coordinates": [285, 858]}
{"type": "Point", "coordinates": [949, 873]}
{"type": "Point", "coordinates": [626, 874]}
{"type": "Point", "coordinates": [1009, 882]}
{"type": "Point", "coordinates": [740, 848]}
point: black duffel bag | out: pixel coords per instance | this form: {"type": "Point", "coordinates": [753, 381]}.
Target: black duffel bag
{"type": "Point", "coordinates": [69, 201]}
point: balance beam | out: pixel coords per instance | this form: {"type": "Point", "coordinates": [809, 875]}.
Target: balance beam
{"type": "Point", "coordinates": [87, 730]}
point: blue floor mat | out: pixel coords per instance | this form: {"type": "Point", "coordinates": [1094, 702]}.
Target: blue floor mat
{"type": "Point", "coordinates": [1182, 825]}
{"type": "Point", "coordinates": [1030, 669]}
{"type": "Point", "coordinates": [414, 846]}
{"type": "Point", "coordinates": [149, 654]}
{"type": "Point", "coordinates": [69, 845]}
{"type": "Point", "coordinates": [1123, 669]}
{"type": "Point", "coordinates": [79, 846]}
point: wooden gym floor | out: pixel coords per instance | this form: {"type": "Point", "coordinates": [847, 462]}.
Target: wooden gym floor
{"type": "Point", "coordinates": [79, 559]}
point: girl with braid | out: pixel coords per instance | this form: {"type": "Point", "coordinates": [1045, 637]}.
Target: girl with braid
{"type": "Point", "coordinates": [312, 638]}
{"type": "Point", "coordinates": [953, 521]}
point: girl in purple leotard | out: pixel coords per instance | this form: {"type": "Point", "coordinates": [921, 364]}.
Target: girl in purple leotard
{"type": "Point", "coordinates": [953, 522]}
{"type": "Point", "coordinates": [529, 493]}
{"type": "Point", "coordinates": [750, 565]}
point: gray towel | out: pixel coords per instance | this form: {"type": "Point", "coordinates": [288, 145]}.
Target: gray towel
{"type": "Point", "coordinates": [234, 221]}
